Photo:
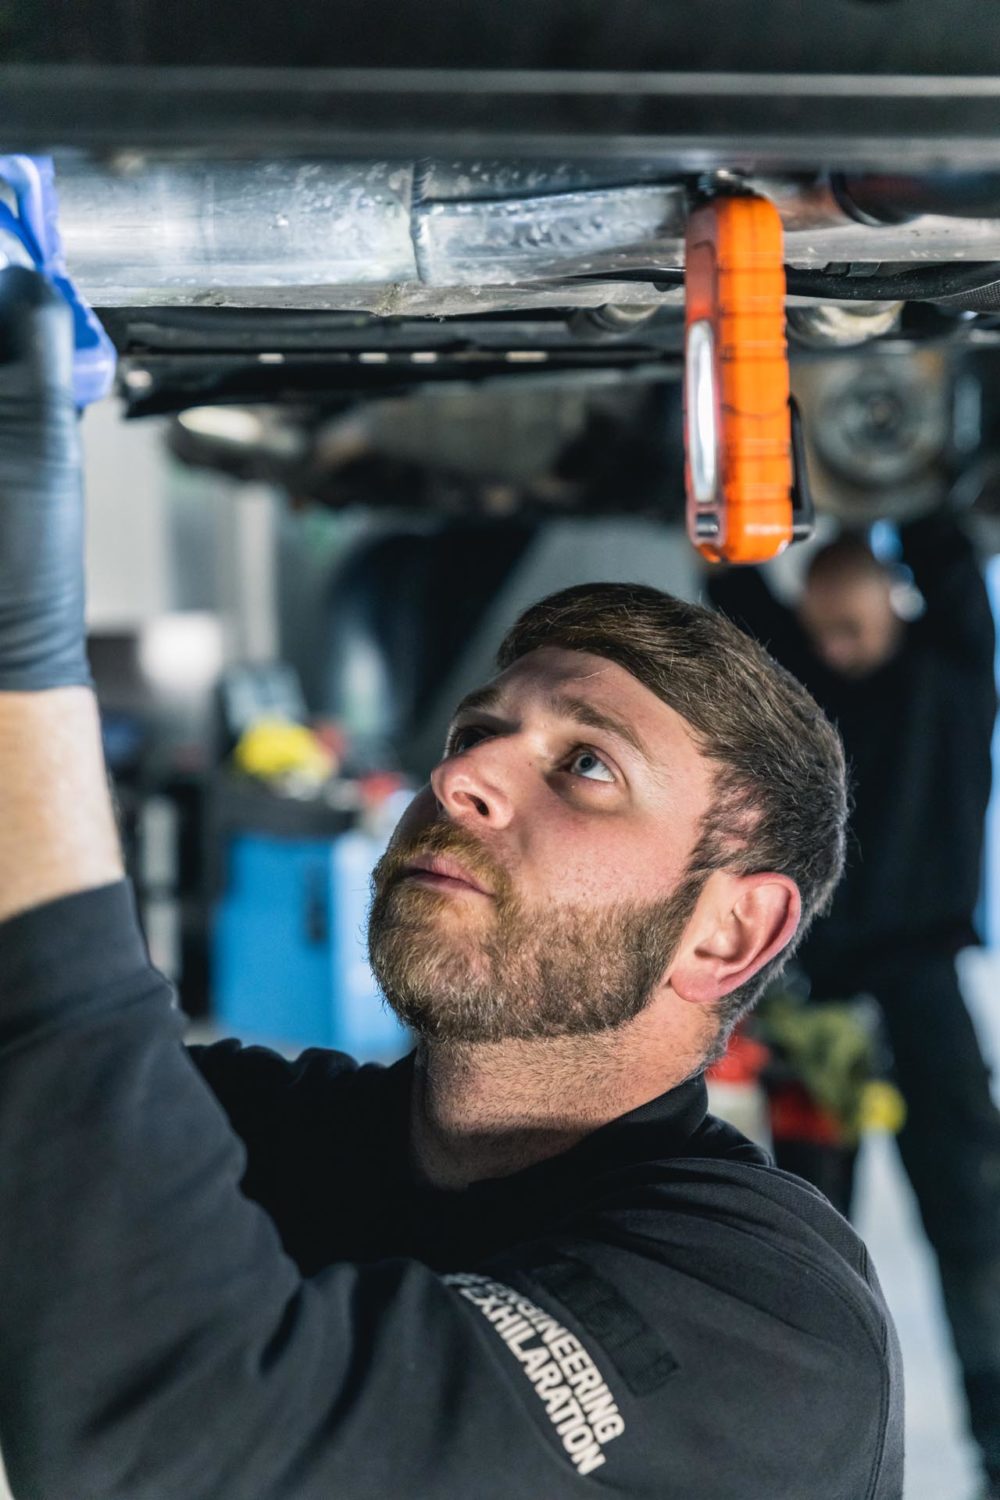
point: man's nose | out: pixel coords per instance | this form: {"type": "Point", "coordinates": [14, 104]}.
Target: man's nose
{"type": "Point", "coordinates": [476, 787]}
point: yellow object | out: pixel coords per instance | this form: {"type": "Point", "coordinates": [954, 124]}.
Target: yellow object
{"type": "Point", "coordinates": [830, 1050]}
{"type": "Point", "coordinates": [882, 1107]}
{"type": "Point", "coordinates": [274, 748]}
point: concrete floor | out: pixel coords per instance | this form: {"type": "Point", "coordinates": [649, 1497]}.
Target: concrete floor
{"type": "Point", "coordinates": [941, 1464]}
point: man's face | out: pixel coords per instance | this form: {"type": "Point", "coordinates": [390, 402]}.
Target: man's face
{"type": "Point", "coordinates": [538, 886]}
{"type": "Point", "coordinates": [851, 622]}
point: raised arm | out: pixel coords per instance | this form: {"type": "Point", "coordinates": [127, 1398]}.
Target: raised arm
{"type": "Point", "coordinates": [947, 573]}
{"type": "Point", "coordinates": [57, 832]}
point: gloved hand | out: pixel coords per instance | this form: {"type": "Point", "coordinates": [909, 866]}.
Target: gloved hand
{"type": "Point", "coordinates": [42, 639]}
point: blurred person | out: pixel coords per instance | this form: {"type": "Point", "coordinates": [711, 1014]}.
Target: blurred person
{"type": "Point", "coordinates": [523, 1256]}
{"type": "Point", "coordinates": [914, 700]}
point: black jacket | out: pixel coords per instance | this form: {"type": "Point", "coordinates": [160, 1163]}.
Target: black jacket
{"type": "Point", "coordinates": [656, 1313]}
{"type": "Point", "coordinates": [917, 736]}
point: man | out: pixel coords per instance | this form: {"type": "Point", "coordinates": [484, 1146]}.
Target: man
{"type": "Point", "coordinates": [915, 703]}
{"type": "Point", "coordinates": [523, 1262]}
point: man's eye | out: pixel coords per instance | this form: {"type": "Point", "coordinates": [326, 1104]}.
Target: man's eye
{"type": "Point", "coordinates": [461, 739]}
{"type": "Point", "coordinates": [588, 763]}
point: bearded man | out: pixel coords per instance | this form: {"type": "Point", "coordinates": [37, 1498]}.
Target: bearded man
{"type": "Point", "coordinates": [523, 1262]}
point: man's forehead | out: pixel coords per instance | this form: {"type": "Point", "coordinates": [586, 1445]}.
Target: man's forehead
{"type": "Point", "coordinates": [551, 670]}
{"type": "Point", "coordinates": [564, 682]}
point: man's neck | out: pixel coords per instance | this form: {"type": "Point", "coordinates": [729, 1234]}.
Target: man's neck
{"type": "Point", "coordinates": [490, 1109]}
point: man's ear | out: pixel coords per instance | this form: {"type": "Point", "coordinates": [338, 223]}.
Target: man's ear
{"type": "Point", "coordinates": [739, 924]}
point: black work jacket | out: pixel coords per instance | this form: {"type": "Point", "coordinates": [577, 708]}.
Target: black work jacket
{"type": "Point", "coordinates": [219, 1277]}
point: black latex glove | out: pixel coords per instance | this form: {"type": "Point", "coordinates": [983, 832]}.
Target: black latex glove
{"type": "Point", "coordinates": [42, 638]}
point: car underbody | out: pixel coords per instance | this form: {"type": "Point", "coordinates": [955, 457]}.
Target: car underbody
{"type": "Point", "coordinates": [306, 243]}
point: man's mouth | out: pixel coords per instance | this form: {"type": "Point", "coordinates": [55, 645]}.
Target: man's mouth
{"type": "Point", "coordinates": [443, 873]}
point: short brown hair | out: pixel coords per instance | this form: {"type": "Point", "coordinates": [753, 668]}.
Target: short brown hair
{"type": "Point", "coordinates": [780, 799]}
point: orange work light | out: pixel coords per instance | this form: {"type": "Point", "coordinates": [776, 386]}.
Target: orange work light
{"type": "Point", "coordinates": [740, 467]}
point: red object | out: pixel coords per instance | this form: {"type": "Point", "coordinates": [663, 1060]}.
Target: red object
{"type": "Point", "coordinates": [380, 785]}
{"type": "Point", "coordinates": [743, 1062]}
{"type": "Point", "coordinates": [332, 737]}
{"type": "Point", "coordinates": [795, 1116]}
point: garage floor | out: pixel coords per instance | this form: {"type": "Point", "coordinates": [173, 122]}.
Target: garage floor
{"type": "Point", "coordinates": [940, 1463]}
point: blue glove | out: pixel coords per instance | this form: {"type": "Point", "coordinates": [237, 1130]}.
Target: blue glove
{"type": "Point", "coordinates": [42, 633]}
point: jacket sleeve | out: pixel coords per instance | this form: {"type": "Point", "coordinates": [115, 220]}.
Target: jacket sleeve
{"type": "Point", "coordinates": [258, 1088]}
{"type": "Point", "coordinates": [155, 1341]}
{"type": "Point", "coordinates": [154, 1338]}
{"type": "Point", "coordinates": [959, 618]}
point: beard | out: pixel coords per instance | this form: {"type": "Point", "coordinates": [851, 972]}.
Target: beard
{"type": "Point", "coordinates": [490, 971]}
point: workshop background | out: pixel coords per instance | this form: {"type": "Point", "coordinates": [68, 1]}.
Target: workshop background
{"type": "Point", "coordinates": [404, 348]}
{"type": "Point", "coordinates": [276, 676]}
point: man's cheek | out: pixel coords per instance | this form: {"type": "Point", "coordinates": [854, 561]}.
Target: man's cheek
{"type": "Point", "coordinates": [586, 877]}
{"type": "Point", "coordinates": [604, 876]}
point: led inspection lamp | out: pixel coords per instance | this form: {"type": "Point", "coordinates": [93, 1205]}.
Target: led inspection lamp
{"type": "Point", "coordinates": [745, 475]}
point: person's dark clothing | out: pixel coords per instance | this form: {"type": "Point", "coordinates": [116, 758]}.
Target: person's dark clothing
{"type": "Point", "coordinates": [262, 1300]}
{"type": "Point", "coordinates": [917, 735]}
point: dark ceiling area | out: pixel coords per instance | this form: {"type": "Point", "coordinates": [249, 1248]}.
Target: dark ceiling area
{"type": "Point", "coordinates": [863, 36]}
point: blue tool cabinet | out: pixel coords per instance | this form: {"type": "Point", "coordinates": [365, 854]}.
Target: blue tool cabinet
{"type": "Point", "coordinates": [289, 959]}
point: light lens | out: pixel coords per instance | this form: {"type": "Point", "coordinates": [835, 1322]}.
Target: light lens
{"type": "Point", "coordinates": [702, 427]}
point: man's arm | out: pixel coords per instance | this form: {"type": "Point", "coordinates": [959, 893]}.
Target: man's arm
{"type": "Point", "coordinates": [944, 565]}
{"type": "Point", "coordinates": [57, 832]}
{"type": "Point", "coordinates": [57, 829]}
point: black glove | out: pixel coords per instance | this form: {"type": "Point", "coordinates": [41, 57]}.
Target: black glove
{"type": "Point", "coordinates": [42, 636]}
